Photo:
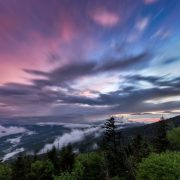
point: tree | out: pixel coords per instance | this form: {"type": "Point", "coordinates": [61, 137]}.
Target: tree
{"type": "Point", "coordinates": [41, 170]}
{"type": "Point", "coordinates": [137, 150]}
{"type": "Point", "coordinates": [53, 157]}
{"type": "Point", "coordinates": [174, 138]}
{"type": "Point", "coordinates": [21, 167]}
{"type": "Point", "coordinates": [110, 135]}
{"type": "Point", "coordinates": [113, 152]}
{"type": "Point", "coordinates": [165, 166]}
{"type": "Point", "coordinates": [76, 173]}
{"type": "Point", "coordinates": [67, 158]}
{"type": "Point", "coordinates": [5, 172]}
{"type": "Point", "coordinates": [93, 165]}
{"type": "Point", "coordinates": [161, 142]}
{"type": "Point", "coordinates": [66, 176]}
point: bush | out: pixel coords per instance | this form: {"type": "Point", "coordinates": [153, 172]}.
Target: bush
{"type": "Point", "coordinates": [87, 166]}
{"type": "Point", "coordinates": [66, 176]}
{"type": "Point", "coordinates": [42, 170]}
{"type": "Point", "coordinates": [174, 138]}
{"type": "Point", "coordinates": [5, 172]}
{"type": "Point", "coordinates": [93, 165]}
{"type": "Point", "coordinates": [164, 166]}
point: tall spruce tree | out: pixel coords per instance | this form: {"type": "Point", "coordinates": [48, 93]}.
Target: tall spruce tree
{"type": "Point", "coordinates": [67, 158]}
{"type": "Point", "coordinates": [113, 152]}
{"type": "Point", "coordinates": [52, 155]}
{"type": "Point", "coordinates": [161, 142]}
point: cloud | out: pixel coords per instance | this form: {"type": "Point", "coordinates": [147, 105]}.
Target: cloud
{"type": "Point", "coordinates": [130, 97]}
{"type": "Point", "coordinates": [66, 125]}
{"type": "Point", "coordinates": [105, 18]}
{"type": "Point", "coordinates": [13, 153]}
{"type": "Point", "coordinates": [70, 72]}
{"type": "Point", "coordinates": [6, 131]}
{"type": "Point", "coordinates": [72, 137]}
{"type": "Point", "coordinates": [15, 141]}
{"type": "Point", "coordinates": [150, 1]}
{"type": "Point", "coordinates": [171, 60]}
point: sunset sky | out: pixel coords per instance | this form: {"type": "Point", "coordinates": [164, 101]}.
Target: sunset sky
{"type": "Point", "coordinates": [89, 59]}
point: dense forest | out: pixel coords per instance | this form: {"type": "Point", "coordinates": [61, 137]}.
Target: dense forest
{"type": "Point", "coordinates": [142, 157]}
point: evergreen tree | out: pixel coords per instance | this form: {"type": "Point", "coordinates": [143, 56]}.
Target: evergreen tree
{"type": "Point", "coordinates": [67, 158]}
{"type": "Point", "coordinates": [53, 157]}
{"type": "Point", "coordinates": [139, 148]}
{"type": "Point", "coordinates": [161, 142]}
{"type": "Point", "coordinates": [113, 152]}
{"type": "Point", "coordinates": [21, 168]}
{"type": "Point", "coordinates": [136, 151]}
{"type": "Point", "coordinates": [41, 170]}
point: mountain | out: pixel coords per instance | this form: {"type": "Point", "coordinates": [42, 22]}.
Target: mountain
{"type": "Point", "coordinates": [149, 130]}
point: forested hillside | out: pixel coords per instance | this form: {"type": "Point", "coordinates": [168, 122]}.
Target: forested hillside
{"type": "Point", "coordinates": [152, 152]}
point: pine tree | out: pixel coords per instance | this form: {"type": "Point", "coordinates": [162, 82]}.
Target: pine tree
{"type": "Point", "coordinates": [21, 168]}
{"type": "Point", "coordinates": [53, 157]}
{"type": "Point", "coordinates": [113, 152]}
{"type": "Point", "coordinates": [110, 135]}
{"type": "Point", "coordinates": [136, 150]}
{"type": "Point", "coordinates": [67, 158]}
{"type": "Point", "coordinates": [161, 142]}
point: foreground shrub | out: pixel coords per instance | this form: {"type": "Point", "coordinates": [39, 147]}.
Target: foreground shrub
{"type": "Point", "coordinates": [164, 166]}
{"type": "Point", "coordinates": [42, 170]}
{"type": "Point", "coordinates": [5, 172]}
{"type": "Point", "coordinates": [87, 166]}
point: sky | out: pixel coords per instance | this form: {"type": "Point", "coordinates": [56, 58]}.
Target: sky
{"type": "Point", "coordinates": [90, 59]}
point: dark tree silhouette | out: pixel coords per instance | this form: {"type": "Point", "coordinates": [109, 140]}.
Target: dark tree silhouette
{"type": "Point", "coordinates": [113, 152]}
{"type": "Point", "coordinates": [53, 157]}
{"type": "Point", "coordinates": [67, 158]}
{"type": "Point", "coordinates": [21, 167]}
{"type": "Point", "coordinates": [161, 142]}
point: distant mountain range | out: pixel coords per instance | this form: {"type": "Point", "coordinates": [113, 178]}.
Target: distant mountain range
{"type": "Point", "coordinates": [149, 130]}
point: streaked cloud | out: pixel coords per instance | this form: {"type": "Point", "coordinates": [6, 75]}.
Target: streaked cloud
{"type": "Point", "coordinates": [150, 1]}
{"type": "Point", "coordinates": [105, 18]}
{"type": "Point", "coordinates": [88, 59]}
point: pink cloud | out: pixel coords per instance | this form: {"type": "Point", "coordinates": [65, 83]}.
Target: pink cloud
{"type": "Point", "coordinates": [105, 18]}
{"type": "Point", "coordinates": [150, 1]}
{"type": "Point", "coordinates": [146, 120]}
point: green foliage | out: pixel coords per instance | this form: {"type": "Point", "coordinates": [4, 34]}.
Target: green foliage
{"type": "Point", "coordinates": [67, 158]}
{"type": "Point", "coordinates": [117, 178]}
{"type": "Point", "coordinates": [42, 170]}
{"type": "Point", "coordinates": [164, 166]}
{"type": "Point", "coordinates": [136, 150]}
{"type": "Point", "coordinates": [66, 176]}
{"type": "Point", "coordinates": [87, 167]}
{"type": "Point", "coordinates": [76, 174]}
{"type": "Point", "coordinates": [93, 164]}
{"type": "Point", "coordinates": [21, 167]}
{"type": "Point", "coordinates": [52, 155]}
{"type": "Point", "coordinates": [174, 138]}
{"type": "Point", "coordinates": [5, 172]}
